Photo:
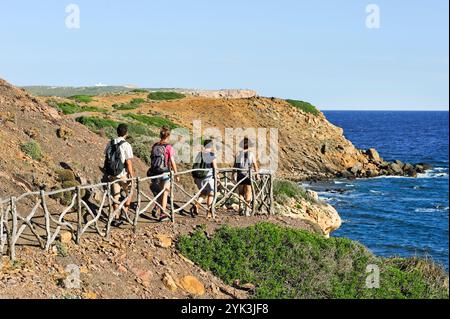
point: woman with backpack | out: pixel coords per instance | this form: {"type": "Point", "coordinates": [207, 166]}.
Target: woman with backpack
{"type": "Point", "coordinates": [205, 160]}
{"type": "Point", "coordinates": [162, 162]}
{"type": "Point", "coordinates": [245, 160]}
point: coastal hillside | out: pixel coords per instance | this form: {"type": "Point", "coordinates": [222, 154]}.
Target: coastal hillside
{"type": "Point", "coordinates": [310, 147]}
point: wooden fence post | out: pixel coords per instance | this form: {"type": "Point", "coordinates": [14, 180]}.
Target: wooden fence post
{"type": "Point", "coordinates": [252, 182]}
{"type": "Point", "coordinates": [271, 194]}
{"type": "Point", "coordinates": [79, 215]}
{"type": "Point", "coordinates": [138, 204]}
{"type": "Point", "coordinates": [213, 205]}
{"type": "Point", "coordinates": [12, 239]}
{"type": "Point", "coordinates": [172, 206]}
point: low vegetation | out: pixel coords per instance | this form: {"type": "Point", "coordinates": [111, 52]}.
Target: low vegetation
{"type": "Point", "coordinates": [163, 96]}
{"type": "Point", "coordinates": [81, 98]}
{"type": "Point", "coordinates": [294, 264]}
{"type": "Point", "coordinates": [284, 190]}
{"type": "Point", "coordinates": [152, 120]}
{"type": "Point", "coordinates": [304, 106]}
{"type": "Point", "coordinates": [134, 104]}
{"type": "Point", "coordinates": [139, 91]}
{"type": "Point", "coordinates": [72, 108]}
{"type": "Point", "coordinates": [32, 149]}
{"type": "Point", "coordinates": [141, 135]}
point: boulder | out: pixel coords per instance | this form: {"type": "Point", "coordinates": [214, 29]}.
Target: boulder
{"type": "Point", "coordinates": [192, 285]}
{"type": "Point", "coordinates": [373, 155]}
{"type": "Point", "coordinates": [396, 168]}
{"type": "Point", "coordinates": [65, 237]}
{"type": "Point", "coordinates": [356, 169]}
{"type": "Point", "coordinates": [399, 163]}
{"type": "Point", "coordinates": [163, 241]}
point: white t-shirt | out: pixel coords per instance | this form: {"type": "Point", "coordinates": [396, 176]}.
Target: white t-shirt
{"type": "Point", "coordinates": [126, 153]}
{"type": "Point", "coordinates": [245, 159]}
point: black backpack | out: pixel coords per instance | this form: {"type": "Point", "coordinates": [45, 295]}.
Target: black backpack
{"type": "Point", "coordinates": [200, 164]}
{"type": "Point", "coordinates": [113, 163]}
{"type": "Point", "coordinates": [158, 165]}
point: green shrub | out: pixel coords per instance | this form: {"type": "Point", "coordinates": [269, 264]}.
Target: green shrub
{"type": "Point", "coordinates": [294, 264]}
{"type": "Point", "coordinates": [139, 91]}
{"type": "Point", "coordinates": [304, 106]}
{"type": "Point", "coordinates": [134, 104]}
{"type": "Point", "coordinates": [152, 120]}
{"type": "Point", "coordinates": [71, 108]}
{"type": "Point", "coordinates": [81, 98]}
{"type": "Point", "coordinates": [162, 96]}
{"type": "Point", "coordinates": [284, 190]}
{"type": "Point", "coordinates": [32, 149]}
{"type": "Point", "coordinates": [96, 123]}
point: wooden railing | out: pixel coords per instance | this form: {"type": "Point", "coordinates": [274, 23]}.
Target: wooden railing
{"type": "Point", "coordinates": [39, 217]}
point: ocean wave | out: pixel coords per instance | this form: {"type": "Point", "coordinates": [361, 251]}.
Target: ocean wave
{"type": "Point", "coordinates": [437, 209]}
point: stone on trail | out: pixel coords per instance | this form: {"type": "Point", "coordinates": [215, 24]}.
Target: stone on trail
{"type": "Point", "coordinates": [193, 285]}
{"type": "Point", "coordinates": [66, 237]}
{"type": "Point", "coordinates": [169, 282]}
{"type": "Point", "coordinates": [163, 241]}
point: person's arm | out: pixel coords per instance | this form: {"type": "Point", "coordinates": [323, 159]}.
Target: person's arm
{"type": "Point", "coordinates": [173, 165]}
{"type": "Point", "coordinates": [129, 168]}
{"type": "Point", "coordinates": [256, 167]}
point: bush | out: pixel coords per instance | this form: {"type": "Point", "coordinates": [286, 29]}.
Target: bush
{"type": "Point", "coordinates": [139, 91]}
{"type": "Point", "coordinates": [71, 108]}
{"type": "Point", "coordinates": [162, 96]}
{"type": "Point", "coordinates": [96, 123]}
{"type": "Point", "coordinates": [152, 120]}
{"type": "Point", "coordinates": [134, 104]}
{"type": "Point", "coordinates": [81, 98]}
{"type": "Point", "coordinates": [284, 190]}
{"type": "Point", "coordinates": [294, 264]}
{"type": "Point", "coordinates": [32, 149]}
{"type": "Point", "coordinates": [304, 106]}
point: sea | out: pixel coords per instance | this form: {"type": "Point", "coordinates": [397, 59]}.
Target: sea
{"type": "Point", "coordinates": [396, 216]}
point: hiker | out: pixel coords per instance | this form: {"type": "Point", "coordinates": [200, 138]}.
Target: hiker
{"type": "Point", "coordinates": [245, 160]}
{"type": "Point", "coordinates": [162, 162]}
{"type": "Point", "coordinates": [206, 159]}
{"type": "Point", "coordinates": [119, 167]}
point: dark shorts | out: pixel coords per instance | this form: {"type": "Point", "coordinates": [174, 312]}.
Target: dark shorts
{"type": "Point", "coordinates": [245, 180]}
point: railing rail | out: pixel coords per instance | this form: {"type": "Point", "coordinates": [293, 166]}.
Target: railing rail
{"type": "Point", "coordinates": [39, 215]}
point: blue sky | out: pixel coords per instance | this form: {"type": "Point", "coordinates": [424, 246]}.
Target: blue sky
{"type": "Point", "coordinates": [318, 51]}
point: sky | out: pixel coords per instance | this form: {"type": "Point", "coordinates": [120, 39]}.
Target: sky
{"type": "Point", "coordinates": [318, 51]}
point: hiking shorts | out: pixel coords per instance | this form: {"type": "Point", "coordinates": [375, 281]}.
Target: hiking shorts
{"type": "Point", "coordinates": [209, 182]}
{"type": "Point", "coordinates": [245, 180]}
{"type": "Point", "coordinates": [157, 185]}
{"type": "Point", "coordinates": [118, 187]}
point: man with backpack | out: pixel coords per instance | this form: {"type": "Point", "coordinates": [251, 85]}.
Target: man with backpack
{"type": "Point", "coordinates": [162, 162]}
{"type": "Point", "coordinates": [119, 167]}
{"type": "Point", "coordinates": [204, 164]}
{"type": "Point", "coordinates": [245, 160]}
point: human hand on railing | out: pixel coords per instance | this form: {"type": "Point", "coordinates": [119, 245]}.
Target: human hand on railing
{"type": "Point", "coordinates": [177, 179]}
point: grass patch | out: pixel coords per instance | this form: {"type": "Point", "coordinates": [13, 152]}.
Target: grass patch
{"type": "Point", "coordinates": [81, 98]}
{"type": "Point", "coordinates": [96, 123]}
{"type": "Point", "coordinates": [139, 91]}
{"type": "Point", "coordinates": [72, 108]}
{"type": "Point", "coordinates": [165, 96]}
{"type": "Point", "coordinates": [284, 190]}
{"type": "Point", "coordinates": [151, 120]}
{"type": "Point", "coordinates": [134, 104]}
{"type": "Point", "coordinates": [285, 263]}
{"type": "Point", "coordinates": [32, 149]}
{"type": "Point", "coordinates": [304, 106]}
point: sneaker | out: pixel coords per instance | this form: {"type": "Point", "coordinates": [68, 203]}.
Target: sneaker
{"type": "Point", "coordinates": [163, 217]}
{"type": "Point", "coordinates": [155, 213]}
{"type": "Point", "coordinates": [117, 223]}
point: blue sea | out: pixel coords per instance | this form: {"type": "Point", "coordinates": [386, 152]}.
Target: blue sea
{"type": "Point", "coordinates": [396, 216]}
